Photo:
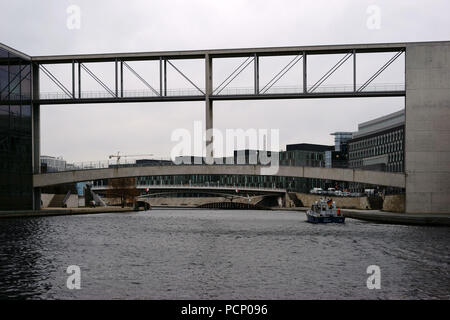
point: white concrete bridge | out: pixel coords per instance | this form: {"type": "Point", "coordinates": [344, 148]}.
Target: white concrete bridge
{"type": "Point", "coordinates": [350, 175]}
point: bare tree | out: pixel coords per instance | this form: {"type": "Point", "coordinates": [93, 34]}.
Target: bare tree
{"type": "Point", "coordinates": [123, 188]}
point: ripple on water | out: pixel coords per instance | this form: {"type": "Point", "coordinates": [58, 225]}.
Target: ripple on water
{"type": "Point", "coordinates": [219, 254]}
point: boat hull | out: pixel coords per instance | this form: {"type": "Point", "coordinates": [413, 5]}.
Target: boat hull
{"type": "Point", "coordinates": [323, 219]}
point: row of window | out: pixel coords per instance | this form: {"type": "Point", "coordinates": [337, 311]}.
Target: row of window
{"type": "Point", "coordinates": [290, 183]}
{"type": "Point", "coordinates": [301, 155]}
{"type": "Point", "coordinates": [395, 157]}
{"type": "Point", "coordinates": [390, 167]}
{"type": "Point", "coordinates": [380, 140]}
{"type": "Point", "coordinates": [395, 167]}
{"type": "Point", "coordinates": [376, 151]}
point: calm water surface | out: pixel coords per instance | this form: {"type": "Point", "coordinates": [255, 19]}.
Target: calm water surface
{"type": "Point", "coordinates": [218, 254]}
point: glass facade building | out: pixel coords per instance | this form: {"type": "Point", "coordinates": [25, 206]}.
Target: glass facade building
{"type": "Point", "coordinates": [341, 140]}
{"type": "Point", "coordinates": [304, 154]}
{"type": "Point", "coordinates": [52, 164]}
{"type": "Point", "coordinates": [16, 191]}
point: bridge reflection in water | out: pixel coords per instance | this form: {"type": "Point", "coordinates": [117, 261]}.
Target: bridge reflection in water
{"type": "Point", "coordinates": [206, 196]}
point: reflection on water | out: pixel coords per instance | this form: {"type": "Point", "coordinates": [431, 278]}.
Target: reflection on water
{"type": "Point", "coordinates": [202, 254]}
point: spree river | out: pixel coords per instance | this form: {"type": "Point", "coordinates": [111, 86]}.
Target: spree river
{"type": "Point", "coordinates": [219, 254]}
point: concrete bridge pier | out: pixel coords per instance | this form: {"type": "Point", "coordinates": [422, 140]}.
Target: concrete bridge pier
{"type": "Point", "coordinates": [208, 109]}
{"type": "Point", "coordinates": [427, 132]}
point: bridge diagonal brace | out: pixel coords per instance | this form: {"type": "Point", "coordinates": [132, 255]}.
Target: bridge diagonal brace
{"type": "Point", "coordinates": [330, 72]}
{"type": "Point", "coordinates": [232, 75]}
{"type": "Point", "coordinates": [14, 88]}
{"type": "Point", "coordinates": [281, 74]}
{"type": "Point", "coordinates": [380, 71]}
{"type": "Point", "coordinates": [12, 80]}
{"type": "Point", "coordinates": [56, 81]}
{"type": "Point", "coordinates": [186, 77]}
{"type": "Point", "coordinates": [98, 80]}
{"type": "Point", "coordinates": [140, 78]}
{"type": "Point", "coordinates": [235, 76]}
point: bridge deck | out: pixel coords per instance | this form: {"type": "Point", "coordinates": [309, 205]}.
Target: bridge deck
{"type": "Point", "coordinates": [337, 174]}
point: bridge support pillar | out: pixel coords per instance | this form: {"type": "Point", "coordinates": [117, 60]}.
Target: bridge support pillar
{"type": "Point", "coordinates": [36, 198]}
{"type": "Point", "coordinates": [36, 152]}
{"type": "Point", "coordinates": [36, 135]}
{"type": "Point", "coordinates": [208, 109]}
{"type": "Point", "coordinates": [427, 129]}
{"type": "Point", "coordinates": [287, 200]}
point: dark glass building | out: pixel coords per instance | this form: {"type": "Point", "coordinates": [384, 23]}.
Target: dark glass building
{"type": "Point", "coordinates": [16, 190]}
{"type": "Point", "coordinates": [304, 154]}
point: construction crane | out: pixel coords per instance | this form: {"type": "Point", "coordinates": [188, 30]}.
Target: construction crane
{"type": "Point", "coordinates": [118, 156]}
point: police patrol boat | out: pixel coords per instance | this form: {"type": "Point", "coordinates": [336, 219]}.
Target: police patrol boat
{"type": "Point", "coordinates": [324, 212]}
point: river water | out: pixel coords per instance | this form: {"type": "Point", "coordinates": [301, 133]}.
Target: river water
{"type": "Point", "coordinates": [219, 254]}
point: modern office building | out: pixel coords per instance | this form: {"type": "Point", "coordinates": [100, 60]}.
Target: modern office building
{"type": "Point", "coordinates": [304, 154]}
{"type": "Point", "coordinates": [52, 164]}
{"type": "Point", "coordinates": [379, 144]}
{"type": "Point", "coordinates": [338, 158]}
{"type": "Point", "coordinates": [16, 190]}
{"type": "Point", "coordinates": [341, 139]}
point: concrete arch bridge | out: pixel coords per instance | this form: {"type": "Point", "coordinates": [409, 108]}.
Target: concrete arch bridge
{"type": "Point", "coordinates": [389, 179]}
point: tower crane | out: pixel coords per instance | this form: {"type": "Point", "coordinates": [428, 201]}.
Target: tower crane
{"type": "Point", "coordinates": [118, 156]}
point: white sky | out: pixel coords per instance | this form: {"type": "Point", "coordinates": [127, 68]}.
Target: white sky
{"type": "Point", "coordinates": [92, 132]}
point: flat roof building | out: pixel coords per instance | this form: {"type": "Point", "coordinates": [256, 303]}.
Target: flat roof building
{"type": "Point", "coordinates": [383, 123]}
{"type": "Point", "coordinates": [379, 144]}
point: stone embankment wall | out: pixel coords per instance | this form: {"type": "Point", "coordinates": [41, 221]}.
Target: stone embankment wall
{"type": "Point", "coordinates": [341, 202]}
{"type": "Point", "coordinates": [391, 203]}
{"type": "Point", "coordinates": [394, 203]}
{"type": "Point", "coordinates": [47, 198]}
{"type": "Point", "coordinates": [197, 201]}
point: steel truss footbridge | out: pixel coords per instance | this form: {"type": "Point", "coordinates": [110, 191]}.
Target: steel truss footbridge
{"type": "Point", "coordinates": [298, 62]}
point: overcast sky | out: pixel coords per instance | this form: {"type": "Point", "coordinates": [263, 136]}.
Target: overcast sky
{"type": "Point", "coordinates": [92, 132]}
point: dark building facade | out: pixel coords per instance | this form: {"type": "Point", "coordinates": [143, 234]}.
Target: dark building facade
{"type": "Point", "coordinates": [338, 158]}
{"type": "Point", "coordinates": [16, 190]}
{"type": "Point", "coordinates": [304, 154]}
{"type": "Point", "coordinates": [379, 144]}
